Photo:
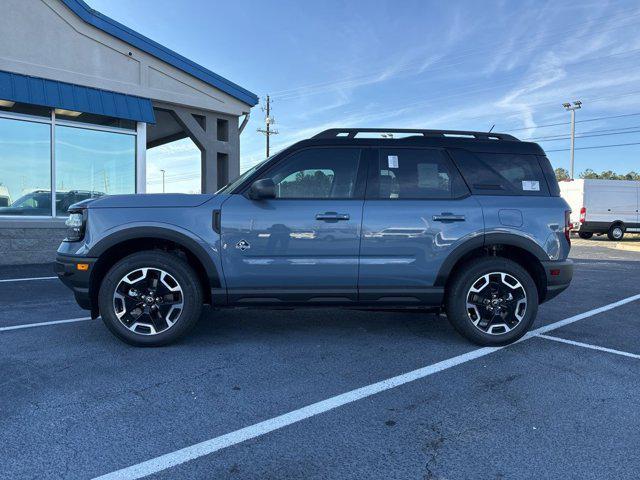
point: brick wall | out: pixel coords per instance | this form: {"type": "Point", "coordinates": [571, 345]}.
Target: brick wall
{"type": "Point", "coordinates": [29, 245]}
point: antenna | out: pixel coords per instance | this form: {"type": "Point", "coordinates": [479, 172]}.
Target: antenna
{"type": "Point", "coordinates": [492, 127]}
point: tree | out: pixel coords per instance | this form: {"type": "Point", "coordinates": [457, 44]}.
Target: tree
{"type": "Point", "coordinates": [562, 174]}
{"type": "Point", "coordinates": [609, 175]}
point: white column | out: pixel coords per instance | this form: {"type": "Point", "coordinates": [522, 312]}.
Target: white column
{"type": "Point", "coordinates": [141, 158]}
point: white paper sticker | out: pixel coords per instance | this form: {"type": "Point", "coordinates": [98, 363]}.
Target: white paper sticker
{"type": "Point", "coordinates": [531, 185]}
{"type": "Point", "coordinates": [393, 161]}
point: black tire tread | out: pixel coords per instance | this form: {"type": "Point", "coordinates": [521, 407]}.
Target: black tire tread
{"type": "Point", "coordinates": [169, 262]}
{"type": "Point", "coordinates": [455, 299]}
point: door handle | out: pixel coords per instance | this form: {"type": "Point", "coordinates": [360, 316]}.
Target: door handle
{"type": "Point", "coordinates": [332, 216]}
{"type": "Point", "coordinates": [448, 217]}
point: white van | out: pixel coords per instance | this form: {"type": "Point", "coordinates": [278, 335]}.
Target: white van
{"type": "Point", "coordinates": [602, 206]}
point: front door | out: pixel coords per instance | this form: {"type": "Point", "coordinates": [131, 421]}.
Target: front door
{"type": "Point", "coordinates": [417, 210]}
{"type": "Point", "coordinates": [302, 246]}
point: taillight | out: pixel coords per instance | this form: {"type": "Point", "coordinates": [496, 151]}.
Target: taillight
{"type": "Point", "coordinates": [583, 214]}
{"type": "Point", "coordinates": [567, 225]}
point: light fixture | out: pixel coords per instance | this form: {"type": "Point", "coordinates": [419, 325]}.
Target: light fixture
{"type": "Point", "coordinates": [7, 103]}
{"type": "Point", "coordinates": [67, 113]}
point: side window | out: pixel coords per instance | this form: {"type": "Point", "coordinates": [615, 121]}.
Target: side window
{"type": "Point", "coordinates": [317, 173]}
{"type": "Point", "coordinates": [501, 173]}
{"type": "Point", "coordinates": [416, 173]}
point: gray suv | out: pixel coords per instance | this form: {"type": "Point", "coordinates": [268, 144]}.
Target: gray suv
{"type": "Point", "coordinates": [466, 223]}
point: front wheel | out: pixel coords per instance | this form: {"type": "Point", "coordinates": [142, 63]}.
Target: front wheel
{"type": "Point", "coordinates": [492, 301]}
{"type": "Point", "coordinates": [150, 298]}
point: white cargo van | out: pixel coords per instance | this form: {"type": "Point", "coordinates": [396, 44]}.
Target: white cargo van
{"type": "Point", "coordinates": [602, 206]}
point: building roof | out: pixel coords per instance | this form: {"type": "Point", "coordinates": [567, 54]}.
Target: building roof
{"type": "Point", "coordinates": [115, 29]}
{"type": "Point", "coordinates": [54, 94]}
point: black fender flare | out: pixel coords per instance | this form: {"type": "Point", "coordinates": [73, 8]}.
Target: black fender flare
{"type": "Point", "coordinates": [162, 233]}
{"type": "Point", "coordinates": [487, 240]}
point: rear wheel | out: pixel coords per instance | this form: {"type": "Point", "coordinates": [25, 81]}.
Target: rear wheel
{"type": "Point", "coordinates": [492, 301]}
{"type": "Point", "coordinates": [150, 298]}
{"type": "Point", "coordinates": [616, 232]}
{"type": "Point", "coordinates": [585, 235]}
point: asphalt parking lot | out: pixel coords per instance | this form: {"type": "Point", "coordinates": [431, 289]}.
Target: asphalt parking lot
{"type": "Point", "coordinates": [325, 394]}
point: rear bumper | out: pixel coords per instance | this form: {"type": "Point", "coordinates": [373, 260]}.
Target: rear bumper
{"type": "Point", "coordinates": [66, 267]}
{"type": "Point", "coordinates": [559, 275]}
{"type": "Point", "coordinates": [591, 227]}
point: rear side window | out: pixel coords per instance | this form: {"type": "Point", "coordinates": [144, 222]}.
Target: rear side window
{"type": "Point", "coordinates": [406, 173]}
{"type": "Point", "coordinates": [501, 173]}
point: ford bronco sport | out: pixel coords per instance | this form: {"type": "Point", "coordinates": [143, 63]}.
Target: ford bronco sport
{"type": "Point", "coordinates": [468, 223]}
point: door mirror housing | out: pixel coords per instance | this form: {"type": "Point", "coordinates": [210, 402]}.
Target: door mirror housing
{"type": "Point", "coordinates": [262, 189]}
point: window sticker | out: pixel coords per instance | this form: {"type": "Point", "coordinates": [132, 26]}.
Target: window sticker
{"type": "Point", "coordinates": [531, 185]}
{"type": "Point", "coordinates": [393, 161]}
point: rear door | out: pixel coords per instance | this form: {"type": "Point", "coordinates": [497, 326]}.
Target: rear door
{"type": "Point", "coordinates": [417, 210]}
{"type": "Point", "coordinates": [302, 246]}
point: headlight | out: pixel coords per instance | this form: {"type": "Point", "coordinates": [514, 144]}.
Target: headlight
{"type": "Point", "coordinates": [75, 226]}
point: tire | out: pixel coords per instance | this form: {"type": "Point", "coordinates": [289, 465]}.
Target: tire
{"type": "Point", "coordinates": [174, 308]}
{"type": "Point", "coordinates": [585, 235]}
{"type": "Point", "coordinates": [616, 232]}
{"type": "Point", "coordinates": [491, 269]}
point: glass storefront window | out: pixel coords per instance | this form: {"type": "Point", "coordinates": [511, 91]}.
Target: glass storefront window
{"type": "Point", "coordinates": [91, 163]}
{"type": "Point", "coordinates": [25, 168]}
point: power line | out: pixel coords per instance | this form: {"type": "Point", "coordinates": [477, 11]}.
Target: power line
{"type": "Point", "coordinates": [578, 121]}
{"type": "Point", "coordinates": [589, 136]}
{"type": "Point", "coordinates": [594, 147]}
{"type": "Point", "coordinates": [564, 135]}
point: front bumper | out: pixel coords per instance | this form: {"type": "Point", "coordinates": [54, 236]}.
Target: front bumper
{"type": "Point", "coordinates": [559, 275]}
{"type": "Point", "coordinates": [66, 267]}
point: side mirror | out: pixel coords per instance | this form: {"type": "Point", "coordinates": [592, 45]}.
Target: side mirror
{"type": "Point", "coordinates": [262, 189]}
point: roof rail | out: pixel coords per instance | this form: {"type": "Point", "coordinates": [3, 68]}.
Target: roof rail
{"type": "Point", "coordinates": [352, 132]}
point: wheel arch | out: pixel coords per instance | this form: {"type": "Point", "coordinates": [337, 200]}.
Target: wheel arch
{"type": "Point", "coordinates": [522, 250]}
{"type": "Point", "coordinates": [131, 240]}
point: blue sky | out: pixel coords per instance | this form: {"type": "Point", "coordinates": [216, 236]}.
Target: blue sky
{"type": "Point", "coordinates": [427, 64]}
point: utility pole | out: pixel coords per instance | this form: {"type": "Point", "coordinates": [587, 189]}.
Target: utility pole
{"type": "Point", "coordinates": [162, 170]}
{"type": "Point", "coordinates": [577, 104]}
{"type": "Point", "coordinates": [269, 121]}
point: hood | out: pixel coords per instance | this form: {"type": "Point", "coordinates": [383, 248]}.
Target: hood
{"type": "Point", "coordinates": [152, 200]}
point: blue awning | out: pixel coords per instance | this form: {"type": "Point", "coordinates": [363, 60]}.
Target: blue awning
{"type": "Point", "coordinates": [51, 93]}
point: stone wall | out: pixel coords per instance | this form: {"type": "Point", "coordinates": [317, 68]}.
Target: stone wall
{"type": "Point", "coordinates": [20, 246]}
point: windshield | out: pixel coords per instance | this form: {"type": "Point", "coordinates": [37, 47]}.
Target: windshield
{"type": "Point", "coordinates": [231, 186]}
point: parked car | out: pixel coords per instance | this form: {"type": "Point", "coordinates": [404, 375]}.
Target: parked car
{"type": "Point", "coordinates": [603, 206]}
{"type": "Point", "coordinates": [38, 202]}
{"type": "Point", "coordinates": [468, 223]}
{"type": "Point", "coordinates": [5, 197]}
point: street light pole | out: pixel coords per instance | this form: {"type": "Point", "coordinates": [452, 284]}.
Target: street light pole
{"type": "Point", "coordinates": [162, 179]}
{"type": "Point", "coordinates": [572, 108]}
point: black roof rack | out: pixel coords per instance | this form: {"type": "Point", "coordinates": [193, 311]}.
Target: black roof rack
{"type": "Point", "coordinates": [352, 132]}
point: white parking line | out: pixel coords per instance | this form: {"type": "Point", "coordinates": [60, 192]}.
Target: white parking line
{"type": "Point", "coordinates": [7, 280]}
{"type": "Point", "coordinates": [590, 346]}
{"type": "Point", "coordinates": [42, 324]}
{"type": "Point", "coordinates": [207, 447]}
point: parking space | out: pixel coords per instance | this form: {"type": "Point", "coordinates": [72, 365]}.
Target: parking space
{"type": "Point", "coordinates": [77, 403]}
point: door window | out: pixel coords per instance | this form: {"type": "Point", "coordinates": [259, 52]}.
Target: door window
{"type": "Point", "coordinates": [317, 173]}
{"type": "Point", "coordinates": [416, 173]}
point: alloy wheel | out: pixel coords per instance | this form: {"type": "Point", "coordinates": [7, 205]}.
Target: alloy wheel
{"type": "Point", "coordinates": [496, 303]}
{"type": "Point", "coordinates": [148, 301]}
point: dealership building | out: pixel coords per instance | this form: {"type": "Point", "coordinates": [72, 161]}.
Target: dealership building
{"type": "Point", "coordinates": [82, 99]}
